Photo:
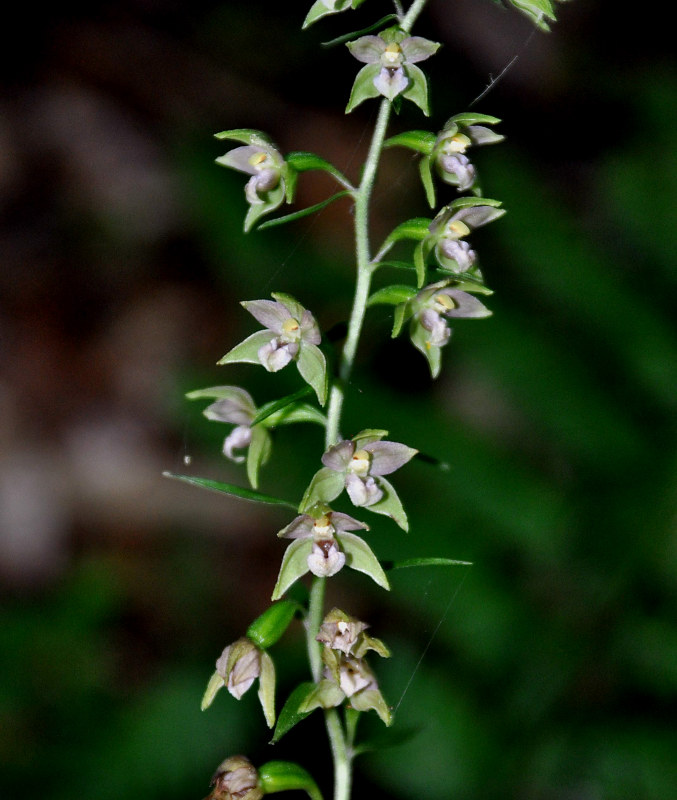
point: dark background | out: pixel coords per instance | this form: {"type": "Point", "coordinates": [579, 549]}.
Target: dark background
{"type": "Point", "coordinates": [553, 673]}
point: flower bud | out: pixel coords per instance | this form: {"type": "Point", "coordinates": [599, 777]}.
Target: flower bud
{"type": "Point", "coordinates": [236, 779]}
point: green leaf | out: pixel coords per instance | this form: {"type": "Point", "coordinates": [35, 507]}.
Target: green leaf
{"type": "Point", "coordinates": [428, 562]}
{"type": "Point", "coordinates": [258, 454]}
{"type": "Point", "coordinates": [537, 11]}
{"type": "Point", "coordinates": [363, 87]}
{"type": "Point", "coordinates": [417, 229]}
{"type": "Point", "coordinates": [313, 369]}
{"type": "Point", "coordinates": [245, 135]}
{"type": "Point", "coordinates": [302, 162]}
{"type": "Point", "coordinates": [290, 715]}
{"type": "Point", "coordinates": [229, 488]}
{"type": "Point", "coordinates": [317, 11]}
{"type": "Point", "coordinates": [304, 212]}
{"type": "Point", "coordinates": [360, 557]}
{"type": "Point", "coordinates": [294, 565]}
{"type": "Point", "coordinates": [277, 405]}
{"type": "Point", "coordinates": [420, 141]}
{"type": "Point", "coordinates": [349, 37]}
{"type": "Point", "coordinates": [271, 625]}
{"type": "Point", "coordinates": [325, 485]}
{"type": "Point", "coordinates": [299, 413]}
{"type": "Point", "coordinates": [397, 264]}
{"type": "Point", "coordinates": [267, 688]}
{"type": "Point", "coordinates": [281, 776]}
{"type": "Point", "coordinates": [247, 352]}
{"type": "Point", "coordinates": [392, 295]}
{"type": "Point", "coordinates": [389, 505]}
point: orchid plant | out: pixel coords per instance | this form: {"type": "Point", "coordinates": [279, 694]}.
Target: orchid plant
{"type": "Point", "coordinates": [444, 284]}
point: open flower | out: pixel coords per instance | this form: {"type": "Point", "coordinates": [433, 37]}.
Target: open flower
{"type": "Point", "coordinates": [430, 309]}
{"type": "Point", "coordinates": [271, 180]}
{"type": "Point", "coordinates": [390, 58]}
{"type": "Point", "coordinates": [323, 544]}
{"type": "Point", "coordinates": [291, 334]}
{"type": "Point", "coordinates": [362, 463]}
{"type": "Point", "coordinates": [240, 664]}
{"type": "Point", "coordinates": [449, 152]}
{"type": "Point", "coordinates": [340, 631]}
{"type": "Point", "coordinates": [234, 406]}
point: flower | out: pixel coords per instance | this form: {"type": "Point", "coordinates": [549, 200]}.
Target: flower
{"type": "Point", "coordinates": [234, 406]}
{"type": "Point", "coordinates": [291, 334]}
{"type": "Point", "coordinates": [362, 461]}
{"type": "Point", "coordinates": [238, 666]}
{"type": "Point", "coordinates": [430, 309]}
{"type": "Point", "coordinates": [448, 153]}
{"type": "Point", "coordinates": [340, 631]}
{"type": "Point", "coordinates": [450, 226]}
{"type": "Point", "coordinates": [272, 179]}
{"type": "Point", "coordinates": [323, 544]}
{"type": "Point", "coordinates": [236, 778]}
{"type": "Point", "coordinates": [390, 58]}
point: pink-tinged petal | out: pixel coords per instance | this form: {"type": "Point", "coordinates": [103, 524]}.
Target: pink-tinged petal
{"type": "Point", "coordinates": [239, 437]}
{"type": "Point", "coordinates": [239, 159]}
{"type": "Point", "coordinates": [269, 313]}
{"type": "Point", "coordinates": [244, 673]}
{"type": "Point", "coordinates": [415, 48]}
{"type": "Point", "coordinates": [476, 216]}
{"type": "Point", "coordinates": [465, 305]}
{"type": "Point", "coordinates": [299, 528]}
{"type": "Point", "coordinates": [338, 457]}
{"type": "Point", "coordinates": [362, 491]}
{"type": "Point", "coordinates": [391, 82]}
{"type": "Point", "coordinates": [344, 522]}
{"type": "Point", "coordinates": [238, 408]}
{"type": "Point", "coordinates": [309, 329]}
{"type": "Point", "coordinates": [459, 168]}
{"type": "Point", "coordinates": [274, 355]}
{"type": "Point", "coordinates": [386, 457]}
{"type": "Point", "coordinates": [481, 135]}
{"type": "Point", "coordinates": [436, 327]}
{"type": "Point", "coordinates": [325, 559]}
{"type": "Point", "coordinates": [367, 49]}
{"type": "Point", "coordinates": [458, 251]}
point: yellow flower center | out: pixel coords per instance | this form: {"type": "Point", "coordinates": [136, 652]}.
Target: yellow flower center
{"type": "Point", "coordinates": [290, 326]}
{"type": "Point", "coordinates": [360, 462]}
{"type": "Point", "coordinates": [258, 159]}
{"type": "Point", "coordinates": [457, 144]}
{"type": "Point", "coordinates": [458, 229]}
{"type": "Point", "coordinates": [445, 301]}
{"type": "Point", "coordinates": [392, 53]}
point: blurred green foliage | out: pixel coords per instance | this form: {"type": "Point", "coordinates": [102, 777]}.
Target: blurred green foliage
{"type": "Point", "coordinates": [549, 668]}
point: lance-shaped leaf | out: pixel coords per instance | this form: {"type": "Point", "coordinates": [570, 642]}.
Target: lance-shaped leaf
{"type": "Point", "coordinates": [420, 141]}
{"type": "Point", "coordinates": [302, 162]}
{"type": "Point", "coordinates": [304, 212]}
{"type": "Point", "coordinates": [290, 715]}
{"type": "Point", "coordinates": [538, 11]}
{"type": "Point", "coordinates": [427, 562]}
{"type": "Point", "coordinates": [392, 295]}
{"type": "Point", "coordinates": [360, 557]}
{"type": "Point", "coordinates": [230, 489]}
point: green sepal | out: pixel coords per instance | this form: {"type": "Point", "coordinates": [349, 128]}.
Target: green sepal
{"type": "Point", "coordinates": [302, 162]}
{"type": "Point", "coordinates": [367, 436]}
{"type": "Point", "coordinates": [258, 454]}
{"type": "Point", "coordinates": [273, 200]}
{"type": "Point", "coordinates": [392, 295]}
{"type": "Point", "coordinates": [390, 505]}
{"type": "Point", "coordinates": [216, 682]}
{"type": "Point", "coordinates": [400, 316]}
{"type": "Point", "coordinates": [290, 715]}
{"type": "Point", "coordinates": [247, 352]}
{"type": "Point", "coordinates": [363, 88]}
{"type": "Point", "coordinates": [271, 625]}
{"type": "Point", "coordinates": [302, 412]}
{"type": "Point", "coordinates": [471, 118]}
{"type": "Point", "coordinates": [215, 393]}
{"type": "Point", "coordinates": [366, 643]}
{"type": "Point", "coordinates": [349, 37]}
{"type": "Point", "coordinates": [428, 562]}
{"type": "Point", "coordinates": [281, 776]}
{"type": "Point", "coordinates": [231, 489]}
{"type": "Point", "coordinates": [421, 252]}
{"type": "Point", "coordinates": [294, 565]}
{"type": "Point", "coordinates": [537, 11]}
{"type": "Point", "coordinates": [360, 557]}
{"type": "Point", "coordinates": [426, 173]}
{"type": "Point", "coordinates": [471, 286]}
{"type": "Point", "coordinates": [293, 306]}
{"type": "Point", "coordinates": [267, 688]}
{"type": "Point", "coordinates": [247, 136]}
{"type": "Point", "coordinates": [433, 354]}
{"type": "Point", "coordinates": [317, 11]}
{"type": "Point", "coordinates": [420, 141]}
{"type": "Point", "coordinates": [325, 485]}
{"type": "Point", "coordinates": [304, 212]}
{"type": "Point", "coordinates": [372, 700]}
{"type": "Point", "coordinates": [417, 91]}
{"type": "Point", "coordinates": [471, 202]}
{"type": "Point", "coordinates": [312, 367]}
{"type": "Point", "coordinates": [325, 694]}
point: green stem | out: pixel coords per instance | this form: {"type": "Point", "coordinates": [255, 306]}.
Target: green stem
{"type": "Point", "coordinates": [412, 15]}
{"type": "Point", "coordinates": [364, 273]}
{"type": "Point", "coordinates": [313, 622]}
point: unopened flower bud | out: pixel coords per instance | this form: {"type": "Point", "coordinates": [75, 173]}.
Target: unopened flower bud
{"type": "Point", "coordinates": [236, 779]}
